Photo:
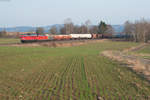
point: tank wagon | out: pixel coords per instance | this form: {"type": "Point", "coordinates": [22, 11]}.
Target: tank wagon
{"type": "Point", "coordinates": [81, 36]}
{"type": "Point", "coordinates": [61, 37]}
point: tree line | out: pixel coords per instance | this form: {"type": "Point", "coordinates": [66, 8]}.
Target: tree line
{"type": "Point", "coordinates": [70, 28]}
{"type": "Point", "coordinates": [86, 28]}
{"type": "Point", "coordinates": [5, 34]}
{"type": "Point", "coordinates": [138, 31]}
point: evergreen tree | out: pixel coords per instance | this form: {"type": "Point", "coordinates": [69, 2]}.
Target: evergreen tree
{"type": "Point", "coordinates": [102, 27]}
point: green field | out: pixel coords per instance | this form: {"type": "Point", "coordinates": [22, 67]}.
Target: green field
{"type": "Point", "coordinates": [145, 52]}
{"type": "Point", "coordinates": [9, 40]}
{"type": "Point", "coordinates": [68, 73]}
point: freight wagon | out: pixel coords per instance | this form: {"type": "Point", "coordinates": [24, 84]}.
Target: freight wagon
{"type": "Point", "coordinates": [120, 36]}
{"type": "Point", "coordinates": [81, 36]}
{"type": "Point", "coordinates": [107, 35]}
{"type": "Point", "coordinates": [61, 37]}
{"type": "Point", "coordinates": [96, 36]}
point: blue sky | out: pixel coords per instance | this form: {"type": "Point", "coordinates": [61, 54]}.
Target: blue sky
{"type": "Point", "coordinates": [48, 12]}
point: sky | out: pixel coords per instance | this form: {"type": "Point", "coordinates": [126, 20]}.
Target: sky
{"type": "Point", "coordinates": [48, 12]}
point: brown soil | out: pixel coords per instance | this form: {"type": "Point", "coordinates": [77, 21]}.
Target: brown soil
{"type": "Point", "coordinates": [136, 63]}
{"type": "Point", "coordinates": [136, 48]}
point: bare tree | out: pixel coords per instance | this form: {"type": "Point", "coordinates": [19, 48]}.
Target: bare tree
{"type": "Point", "coordinates": [31, 31]}
{"type": "Point", "coordinates": [128, 30]}
{"type": "Point", "coordinates": [110, 30]}
{"type": "Point", "coordinates": [69, 26]}
{"type": "Point", "coordinates": [76, 29]}
{"type": "Point", "coordinates": [94, 30]}
{"type": "Point", "coordinates": [53, 30]}
{"type": "Point", "coordinates": [63, 30]}
{"type": "Point", "coordinates": [83, 29]}
{"type": "Point", "coordinates": [140, 30]}
{"type": "Point", "coordinates": [3, 33]}
{"type": "Point", "coordinates": [131, 31]}
{"type": "Point", "coordinates": [87, 24]}
{"type": "Point", "coordinates": [39, 30]}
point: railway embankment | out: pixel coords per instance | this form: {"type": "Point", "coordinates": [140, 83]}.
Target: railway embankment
{"type": "Point", "coordinates": [65, 43]}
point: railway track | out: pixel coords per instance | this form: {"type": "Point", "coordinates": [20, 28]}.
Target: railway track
{"type": "Point", "coordinates": [48, 42]}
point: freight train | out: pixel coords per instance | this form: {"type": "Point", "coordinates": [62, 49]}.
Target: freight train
{"type": "Point", "coordinates": [34, 37]}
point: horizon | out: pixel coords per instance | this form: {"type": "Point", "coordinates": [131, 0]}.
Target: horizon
{"type": "Point", "coordinates": [49, 25]}
{"type": "Point", "coordinates": [33, 13]}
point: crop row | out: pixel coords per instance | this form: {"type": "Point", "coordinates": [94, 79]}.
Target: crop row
{"type": "Point", "coordinates": [110, 81]}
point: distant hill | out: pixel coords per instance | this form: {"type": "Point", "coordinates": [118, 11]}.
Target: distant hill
{"type": "Point", "coordinates": [117, 28]}
{"type": "Point", "coordinates": [29, 28]}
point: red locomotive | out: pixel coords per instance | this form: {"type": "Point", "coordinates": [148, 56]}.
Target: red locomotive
{"type": "Point", "coordinates": [32, 37]}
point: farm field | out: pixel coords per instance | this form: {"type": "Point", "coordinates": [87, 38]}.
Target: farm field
{"type": "Point", "coordinates": [144, 52]}
{"type": "Point", "coordinates": [68, 73]}
{"type": "Point", "coordinates": [9, 40]}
